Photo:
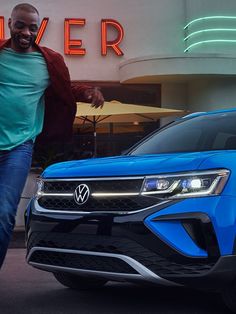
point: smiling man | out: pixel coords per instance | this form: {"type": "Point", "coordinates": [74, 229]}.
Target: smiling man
{"type": "Point", "coordinates": [23, 25]}
{"type": "Point", "coordinates": [36, 97]}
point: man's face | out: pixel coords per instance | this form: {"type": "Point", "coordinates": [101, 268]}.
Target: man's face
{"type": "Point", "coordinates": [23, 27]}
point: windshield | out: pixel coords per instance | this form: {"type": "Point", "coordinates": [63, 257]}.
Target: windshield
{"type": "Point", "coordinates": [208, 132]}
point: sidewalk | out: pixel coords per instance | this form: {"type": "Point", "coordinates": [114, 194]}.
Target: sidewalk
{"type": "Point", "coordinates": [24, 289]}
{"type": "Point", "coordinates": [18, 239]}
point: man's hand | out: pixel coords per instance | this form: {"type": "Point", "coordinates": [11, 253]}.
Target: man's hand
{"type": "Point", "coordinates": [94, 96]}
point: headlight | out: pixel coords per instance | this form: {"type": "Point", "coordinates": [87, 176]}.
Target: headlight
{"type": "Point", "coordinates": [189, 184]}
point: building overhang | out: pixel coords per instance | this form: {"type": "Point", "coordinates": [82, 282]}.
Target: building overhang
{"type": "Point", "coordinates": [176, 68]}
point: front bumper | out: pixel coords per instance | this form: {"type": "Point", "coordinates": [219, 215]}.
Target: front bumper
{"type": "Point", "coordinates": [124, 248]}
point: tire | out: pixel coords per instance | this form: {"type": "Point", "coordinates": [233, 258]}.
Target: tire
{"type": "Point", "coordinates": [229, 296]}
{"type": "Point", "coordinates": [78, 282]}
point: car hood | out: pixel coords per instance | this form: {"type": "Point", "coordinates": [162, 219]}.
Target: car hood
{"type": "Point", "coordinates": [128, 165]}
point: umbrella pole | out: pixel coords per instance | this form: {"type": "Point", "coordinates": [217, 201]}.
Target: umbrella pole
{"type": "Point", "coordinates": [94, 138]}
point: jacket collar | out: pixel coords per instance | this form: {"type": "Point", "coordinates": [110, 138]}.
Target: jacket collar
{"type": "Point", "coordinates": [4, 43]}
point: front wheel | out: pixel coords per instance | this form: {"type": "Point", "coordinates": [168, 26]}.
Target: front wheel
{"type": "Point", "coordinates": [229, 296]}
{"type": "Point", "coordinates": [78, 282]}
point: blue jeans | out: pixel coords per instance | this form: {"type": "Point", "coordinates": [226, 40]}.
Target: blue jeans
{"type": "Point", "coordinates": [14, 168]}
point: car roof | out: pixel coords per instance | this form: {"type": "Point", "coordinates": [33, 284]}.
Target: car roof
{"type": "Point", "coordinates": [207, 113]}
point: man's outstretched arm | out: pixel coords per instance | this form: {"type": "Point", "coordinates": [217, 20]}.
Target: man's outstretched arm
{"type": "Point", "coordinates": [88, 94]}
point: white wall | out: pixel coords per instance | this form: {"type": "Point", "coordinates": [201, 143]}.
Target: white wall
{"type": "Point", "coordinates": [174, 96]}
{"type": "Point", "coordinates": [214, 93]}
{"type": "Point", "coordinates": [200, 8]}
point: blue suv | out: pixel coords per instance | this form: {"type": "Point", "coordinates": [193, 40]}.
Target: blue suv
{"type": "Point", "coordinates": [162, 213]}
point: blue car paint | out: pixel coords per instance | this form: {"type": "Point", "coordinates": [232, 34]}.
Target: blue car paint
{"type": "Point", "coordinates": [171, 232]}
{"type": "Point", "coordinates": [128, 165]}
{"type": "Point", "coordinates": [214, 207]}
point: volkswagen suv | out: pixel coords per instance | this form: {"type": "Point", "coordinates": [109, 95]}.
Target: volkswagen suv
{"type": "Point", "coordinates": [162, 213]}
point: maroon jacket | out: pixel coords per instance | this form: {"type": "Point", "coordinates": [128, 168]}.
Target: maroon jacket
{"type": "Point", "coordinates": [60, 98]}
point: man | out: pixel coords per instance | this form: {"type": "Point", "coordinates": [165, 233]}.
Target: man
{"type": "Point", "coordinates": [36, 97]}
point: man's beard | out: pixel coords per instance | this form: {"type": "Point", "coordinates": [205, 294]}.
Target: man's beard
{"type": "Point", "coordinates": [23, 42]}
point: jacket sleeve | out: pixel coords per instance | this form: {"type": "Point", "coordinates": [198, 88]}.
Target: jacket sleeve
{"type": "Point", "coordinates": [60, 99]}
{"type": "Point", "coordinates": [78, 91]}
{"type": "Point", "coordinates": [60, 105]}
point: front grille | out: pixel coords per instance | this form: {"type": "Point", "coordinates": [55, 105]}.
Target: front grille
{"type": "Point", "coordinates": [160, 265]}
{"type": "Point", "coordinates": [98, 186]}
{"type": "Point", "coordinates": [101, 204]}
{"type": "Point", "coordinates": [121, 203]}
{"type": "Point", "coordinates": [81, 261]}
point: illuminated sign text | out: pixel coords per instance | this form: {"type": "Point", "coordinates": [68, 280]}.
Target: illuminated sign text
{"type": "Point", "coordinates": [74, 46]}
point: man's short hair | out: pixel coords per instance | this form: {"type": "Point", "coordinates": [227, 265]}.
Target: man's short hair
{"type": "Point", "coordinates": [25, 6]}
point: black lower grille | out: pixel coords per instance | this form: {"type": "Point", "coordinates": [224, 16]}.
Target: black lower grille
{"type": "Point", "coordinates": [160, 265]}
{"type": "Point", "coordinates": [81, 261]}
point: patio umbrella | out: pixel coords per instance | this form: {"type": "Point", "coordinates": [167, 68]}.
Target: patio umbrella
{"type": "Point", "coordinates": [117, 112]}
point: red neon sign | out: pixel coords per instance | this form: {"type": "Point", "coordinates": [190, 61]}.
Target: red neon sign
{"type": "Point", "coordinates": [41, 30]}
{"type": "Point", "coordinates": [2, 33]}
{"type": "Point", "coordinates": [70, 43]}
{"type": "Point", "coordinates": [114, 43]}
{"type": "Point", "coordinates": [74, 46]}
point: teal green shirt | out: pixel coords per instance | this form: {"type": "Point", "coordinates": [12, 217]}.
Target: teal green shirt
{"type": "Point", "coordinates": [23, 80]}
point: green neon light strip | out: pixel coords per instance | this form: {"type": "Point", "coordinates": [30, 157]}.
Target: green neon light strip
{"type": "Point", "coordinates": [209, 18]}
{"type": "Point", "coordinates": [210, 41]}
{"type": "Point", "coordinates": [210, 30]}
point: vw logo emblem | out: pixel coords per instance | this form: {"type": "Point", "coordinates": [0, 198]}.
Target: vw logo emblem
{"type": "Point", "coordinates": [81, 194]}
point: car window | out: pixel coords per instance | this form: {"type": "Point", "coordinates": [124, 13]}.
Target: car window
{"type": "Point", "coordinates": [206, 132]}
{"type": "Point", "coordinates": [226, 140]}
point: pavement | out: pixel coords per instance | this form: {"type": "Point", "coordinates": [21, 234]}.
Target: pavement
{"type": "Point", "coordinates": [24, 289]}
{"type": "Point", "coordinates": [18, 239]}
